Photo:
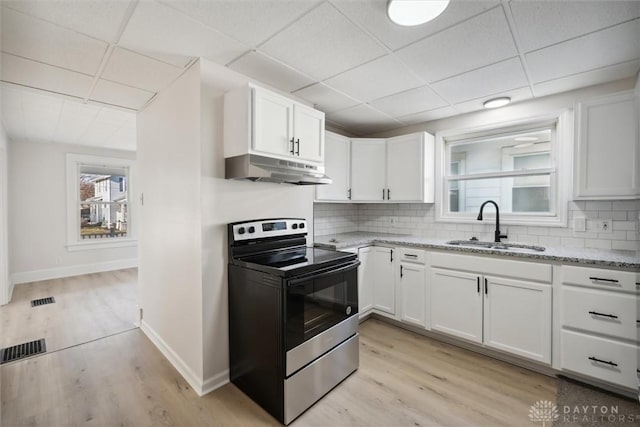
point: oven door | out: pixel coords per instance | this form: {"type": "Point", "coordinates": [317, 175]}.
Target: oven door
{"type": "Point", "coordinates": [319, 301]}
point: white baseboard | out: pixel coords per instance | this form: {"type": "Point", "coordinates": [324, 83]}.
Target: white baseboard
{"type": "Point", "coordinates": [72, 270]}
{"type": "Point", "coordinates": [215, 381]}
{"type": "Point", "coordinates": [197, 384]}
{"type": "Point", "coordinates": [173, 358]}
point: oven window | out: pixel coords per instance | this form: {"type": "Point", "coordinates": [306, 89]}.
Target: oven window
{"type": "Point", "coordinates": [315, 305]}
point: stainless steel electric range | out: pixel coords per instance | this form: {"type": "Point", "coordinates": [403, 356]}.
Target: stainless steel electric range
{"type": "Point", "coordinates": [293, 315]}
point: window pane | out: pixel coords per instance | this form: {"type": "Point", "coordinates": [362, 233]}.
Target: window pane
{"type": "Point", "coordinates": [518, 194]}
{"type": "Point", "coordinates": [103, 188]}
{"type": "Point", "coordinates": [499, 153]}
{"type": "Point", "coordinates": [103, 220]}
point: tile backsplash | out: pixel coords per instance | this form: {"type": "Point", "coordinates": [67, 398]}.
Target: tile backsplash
{"type": "Point", "coordinates": [419, 219]}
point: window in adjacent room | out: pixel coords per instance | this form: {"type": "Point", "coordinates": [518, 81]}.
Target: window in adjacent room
{"type": "Point", "coordinates": [99, 201]}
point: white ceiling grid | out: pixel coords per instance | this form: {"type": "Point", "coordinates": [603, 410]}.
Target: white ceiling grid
{"type": "Point", "coordinates": [345, 56]}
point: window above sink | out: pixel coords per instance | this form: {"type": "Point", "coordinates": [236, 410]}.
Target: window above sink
{"type": "Point", "coordinates": [524, 166]}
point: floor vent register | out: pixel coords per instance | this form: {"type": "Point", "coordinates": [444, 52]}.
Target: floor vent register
{"type": "Point", "coordinates": [42, 301]}
{"type": "Point", "coordinates": [21, 351]}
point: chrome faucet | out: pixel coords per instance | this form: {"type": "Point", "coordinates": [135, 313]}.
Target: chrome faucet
{"type": "Point", "coordinates": [497, 233]}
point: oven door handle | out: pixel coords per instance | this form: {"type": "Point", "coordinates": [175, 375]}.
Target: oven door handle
{"type": "Point", "coordinates": [326, 272]}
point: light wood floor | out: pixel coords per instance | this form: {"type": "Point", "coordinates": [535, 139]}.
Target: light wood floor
{"type": "Point", "coordinates": [87, 307]}
{"type": "Point", "coordinates": [404, 380]}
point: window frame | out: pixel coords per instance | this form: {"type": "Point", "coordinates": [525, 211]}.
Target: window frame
{"type": "Point", "coordinates": [75, 162]}
{"type": "Point", "coordinates": [560, 172]}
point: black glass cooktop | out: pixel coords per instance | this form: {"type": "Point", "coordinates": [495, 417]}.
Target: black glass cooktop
{"type": "Point", "coordinates": [296, 261]}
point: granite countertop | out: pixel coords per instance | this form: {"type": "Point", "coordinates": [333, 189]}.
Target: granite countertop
{"type": "Point", "coordinates": [589, 257]}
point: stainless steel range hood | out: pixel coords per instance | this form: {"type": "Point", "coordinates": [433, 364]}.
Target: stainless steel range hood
{"type": "Point", "coordinates": [260, 168]}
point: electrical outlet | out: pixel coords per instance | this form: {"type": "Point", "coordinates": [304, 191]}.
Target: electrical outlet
{"type": "Point", "coordinates": [603, 226]}
{"type": "Point", "coordinates": [580, 224]}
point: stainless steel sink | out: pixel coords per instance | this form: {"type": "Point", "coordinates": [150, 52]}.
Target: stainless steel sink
{"type": "Point", "coordinates": [511, 247]}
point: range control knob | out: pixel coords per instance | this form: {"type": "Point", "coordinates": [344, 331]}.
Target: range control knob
{"type": "Point", "coordinates": [252, 229]}
{"type": "Point", "coordinates": [294, 226]}
{"type": "Point", "coordinates": [241, 230]}
{"type": "Point", "coordinates": [301, 225]}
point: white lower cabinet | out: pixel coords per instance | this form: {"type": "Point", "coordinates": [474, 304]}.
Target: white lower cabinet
{"type": "Point", "coordinates": [456, 304]}
{"type": "Point", "coordinates": [376, 284]}
{"type": "Point", "coordinates": [412, 283]}
{"type": "Point", "coordinates": [517, 317]}
{"type": "Point", "coordinates": [510, 315]}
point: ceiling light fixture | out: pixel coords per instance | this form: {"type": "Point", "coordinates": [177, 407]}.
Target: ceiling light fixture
{"type": "Point", "coordinates": [409, 13]}
{"type": "Point", "coordinates": [497, 102]}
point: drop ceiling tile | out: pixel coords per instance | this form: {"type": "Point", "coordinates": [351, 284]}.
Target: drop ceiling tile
{"type": "Point", "coordinates": [250, 22]}
{"type": "Point", "coordinates": [480, 41]}
{"type": "Point", "coordinates": [41, 76]}
{"type": "Point", "coordinates": [516, 95]}
{"type": "Point", "coordinates": [600, 49]}
{"type": "Point", "coordinates": [75, 119]}
{"type": "Point", "coordinates": [323, 43]}
{"type": "Point", "coordinates": [157, 29]}
{"type": "Point", "coordinates": [124, 138]}
{"type": "Point", "coordinates": [363, 118]}
{"type": "Point", "coordinates": [269, 71]}
{"type": "Point", "coordinates": [426, 116]}
{"type": "Point", "coordinates": [41, 114]}
{"type": "Point", "coordinates": [99, 19]}
{"type": "Point", "coordinates": [375, 79]}
{"type": "Point", "coordinates": [106, 124]}
{"type": "Point", "coordinates": [589, 78]}
{"type": "Point", "coordinates": [372, 15]}
{"type": "Point", "coordinates": [325, 98]}
{"type": "Point", "coordinates": [567, 19]}
{"type": "Point", "coordinates": [32, 38]}
{"type": "Point", "coordinates": [495, 78]}
{"type": "Point", "coordinates": [120, 95]}
{"type": "Point", "coordinates": [12, 117]}
{"type": "Point", "coordinates": [409, 102]}
{"type": "Point", "coordinates": [133, 69]}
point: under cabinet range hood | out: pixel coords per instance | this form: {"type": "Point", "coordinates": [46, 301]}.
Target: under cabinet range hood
{"type": "Point", "coordinates": [252, 167]}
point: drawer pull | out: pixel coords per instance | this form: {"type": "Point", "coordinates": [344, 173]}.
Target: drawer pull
{"type": "Point", "coordinates": [603, 361]}
{"type": "Point", "coordinates": [595, 313]}
{"type": "Point", "coordinates": [600, 279]}
{"type": "Point", "coordinates": [411, 255]}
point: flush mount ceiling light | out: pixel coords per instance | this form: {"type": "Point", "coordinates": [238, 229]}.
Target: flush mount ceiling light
{"type": "Point", "coordinates": [497, 102]}
{"type": "Point", "coordinates": [409, 13]}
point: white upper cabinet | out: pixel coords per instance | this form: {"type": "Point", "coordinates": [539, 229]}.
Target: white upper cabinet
{"type": "Point", "coordinates": [607, 150]}
{"type": "Point", "coordinates": [409, 169]}
{"type": "Point", "coordinates": [368, 170]}
{"type": "Point", "coordinates": [337, 163]}
{"type": "Point", "coordinates": [258, 121]}
{"type": "Point", "coordinates": [308, 130]}
{"type": "Point", "coordinates": [394, 170]}
{"type": "Point", "coordinates": [272, 124]}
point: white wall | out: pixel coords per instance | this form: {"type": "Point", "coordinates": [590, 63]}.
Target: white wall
{"type": "Point", "coordinates": [170, 268]}
{"type": "Point", "coordinates": [225, 201]}
{"type": "Point", "coordinates": [6, 286]}
{"type": "Point", "coordinates": [38, 215]}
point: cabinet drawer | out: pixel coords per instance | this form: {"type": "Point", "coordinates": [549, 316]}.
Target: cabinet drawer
{"type": "Point", "coordinates": [610, 313]}
{"type": "Point", "coordinates": [411, 255]}
{"type": "Point", "coordinates": [600, 358]}
{"type": "Point", "coordinates": [601, 278]}
{"type": "Point", "coordinates": [493, 266]}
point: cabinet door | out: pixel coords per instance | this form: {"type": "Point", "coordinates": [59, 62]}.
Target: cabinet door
{"type": "Point", "coordinates": [366, 277]}
{"type": "Point", "coordinates": [607, 150]}
{"type": "Point", "coordinates": [368, 169]}
{"type": "Point", "coordinates": [405, 168]}
{"type": "Point", "coordinates": [412, 290]}
{"type": "Point", "coordinates": [308, 131]}
{"type": "Point", "coordinates": [456, 304]}
{"type": "Point", "coordinates": [272, 123]}
{"type": "Point", "coordinates": [384, 287]}
{"type": "Point", "coordinates": [337, 160]}
{"type": "Point", "coordinates": [517, 317]}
